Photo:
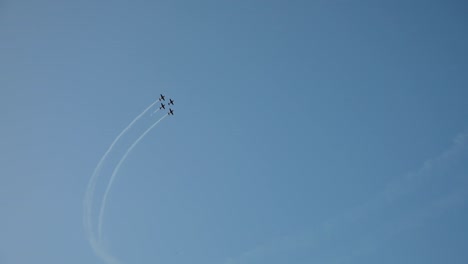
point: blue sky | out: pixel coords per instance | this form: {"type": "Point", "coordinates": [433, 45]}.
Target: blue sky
{"type": "Point", "coordinates": [304, 131]}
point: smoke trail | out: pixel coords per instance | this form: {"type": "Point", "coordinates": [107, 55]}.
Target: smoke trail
{"type": "Point", "coordinates": [114, 172]}
{"type": "Point", "coordinates": [89, 194]}
{"type": "Point", "coordinates": [102, 253]}
{"type": "Point", "coordinates": [155, 111]}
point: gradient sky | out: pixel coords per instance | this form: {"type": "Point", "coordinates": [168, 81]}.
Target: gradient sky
{"type": "Point", "coordinates": [304, 131]}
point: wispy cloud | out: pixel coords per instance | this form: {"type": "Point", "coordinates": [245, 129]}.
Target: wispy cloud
{"type": "Point", "coordinates": [322, 237]}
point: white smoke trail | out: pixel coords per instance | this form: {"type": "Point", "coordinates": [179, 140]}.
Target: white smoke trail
{"type": "Point", "coordinates": [114, 173]}
{"type": "Point", "coordinates": [89, 194]}
{"type": "Point", "coordinates": [156, 111]}
{"type": "Point", "coordinates": [102, 253]}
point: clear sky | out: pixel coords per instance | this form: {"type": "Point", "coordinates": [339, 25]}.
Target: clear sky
{"type": "Point", "coordinates": [304, 131]}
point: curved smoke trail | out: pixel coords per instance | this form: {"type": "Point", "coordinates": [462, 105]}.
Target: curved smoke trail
{"type": "Point", "coordinates": [114, 173]}
{"type": "Point", "coordinates": [89, 194]}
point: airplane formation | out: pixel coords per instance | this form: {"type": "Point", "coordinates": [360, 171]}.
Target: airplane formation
{"type": "Point", "coordinates": [163, 106]}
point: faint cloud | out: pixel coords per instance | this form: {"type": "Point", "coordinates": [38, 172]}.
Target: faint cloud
{"type": "Point", "coordinates": [318, 238]}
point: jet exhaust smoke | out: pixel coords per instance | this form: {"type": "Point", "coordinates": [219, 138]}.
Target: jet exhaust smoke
{"type": "Point", "coordinates": [155, 111]}
{"type": "Point", "coordinates": [89, 194]}
{"type": "Point", "coordinates": [114, 173]}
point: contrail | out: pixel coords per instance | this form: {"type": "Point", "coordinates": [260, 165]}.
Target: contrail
{"type": "Point", "coordinates": [89, 194]}
{"type": "Point", "coordinates": [155, 111]}
{"type": "Point", "coordinates": [114, 173]}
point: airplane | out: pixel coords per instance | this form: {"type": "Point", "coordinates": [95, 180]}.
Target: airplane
{"type": "Point", "coordinates": [171, 112]}
{"type": "Point", "coordinates": [162, 106]}
{"type": "Point", "coordinates": [171, 102]}
{"type": "Point", "coordinates": [162, 98]}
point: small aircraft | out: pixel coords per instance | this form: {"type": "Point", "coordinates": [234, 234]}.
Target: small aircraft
{"type": "Point", "coordinates": [171, 102]}
{"type": "Point", "coordinates": [162, 98]}
{"type": "Point", "coordinates": [162, 106]}
{"type": "Point", "coordinates": [171, 112]}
